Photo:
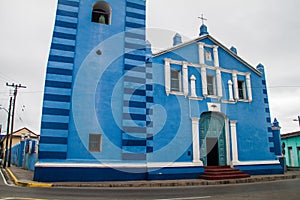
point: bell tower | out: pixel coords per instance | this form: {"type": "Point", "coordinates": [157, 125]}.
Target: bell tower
{"type": "Point", "coordinates": [97, 82]}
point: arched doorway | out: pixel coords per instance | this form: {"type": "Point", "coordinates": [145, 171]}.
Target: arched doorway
{"type": "Point", "coordinates": [212, 139]}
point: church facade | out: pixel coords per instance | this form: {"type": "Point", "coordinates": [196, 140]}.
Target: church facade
{"type": "Point", "coordinates": [113, 110]}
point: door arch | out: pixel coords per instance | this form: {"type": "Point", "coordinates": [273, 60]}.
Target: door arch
{"type": "Point", "coordinates": [212, 139]}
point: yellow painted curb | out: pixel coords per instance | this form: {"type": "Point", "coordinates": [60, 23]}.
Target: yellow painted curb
{"type": "Point", "coordinates": [25, 184]}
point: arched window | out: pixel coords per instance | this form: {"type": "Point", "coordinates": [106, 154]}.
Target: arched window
{"type": "Point", "coordinates": [101, 13]}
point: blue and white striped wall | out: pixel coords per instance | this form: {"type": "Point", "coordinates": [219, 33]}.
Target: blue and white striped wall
{"type": "Point", "coordinates": [58, 85]}
{"type": "Point", "coordinates": [138, 97]}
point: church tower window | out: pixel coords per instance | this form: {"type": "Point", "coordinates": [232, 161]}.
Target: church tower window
{"type": "Point", "coordinates": [101, 13]}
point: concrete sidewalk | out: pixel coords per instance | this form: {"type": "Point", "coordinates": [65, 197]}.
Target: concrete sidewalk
{"type": "Point", "coordinates": [23, 177]}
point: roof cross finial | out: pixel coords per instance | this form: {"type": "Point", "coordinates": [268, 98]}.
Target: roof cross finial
{"type": "Point", "coordinates": [202, 18]}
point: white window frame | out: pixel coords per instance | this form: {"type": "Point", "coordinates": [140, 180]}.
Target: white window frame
{"type": "Point", "coordinates": [246, 87]}
{"type": "Point", "coordinates": [202, 54]}
{"type": "Point", "coordinates": [182, 68]}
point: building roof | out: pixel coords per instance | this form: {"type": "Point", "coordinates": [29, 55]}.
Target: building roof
{"type": "Point", "coordinates": [289, 135]}
{"type": "Point", "coordinates": [216, 42]}
{"type": "Point", "coordinates": [23, 131]}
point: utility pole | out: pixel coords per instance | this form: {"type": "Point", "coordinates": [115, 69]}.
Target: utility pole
{"type": "Point", "coordinates": [7, 133]}
{"type": "Point", "coordinates": [16, 87]}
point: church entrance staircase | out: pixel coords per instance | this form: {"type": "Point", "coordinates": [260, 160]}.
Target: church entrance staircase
{"type": "Point", "coordinates": [222, 172]}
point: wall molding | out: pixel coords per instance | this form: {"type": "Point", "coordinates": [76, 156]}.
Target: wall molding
{"type": "Point", "coordinates": [120, 165]}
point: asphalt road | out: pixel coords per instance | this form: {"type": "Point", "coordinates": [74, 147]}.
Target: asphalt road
{"type": "Point", "coordinates": [287, 190]}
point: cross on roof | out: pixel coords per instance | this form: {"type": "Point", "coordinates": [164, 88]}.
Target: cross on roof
{"type": "Point", "coordinates": [202, 18]}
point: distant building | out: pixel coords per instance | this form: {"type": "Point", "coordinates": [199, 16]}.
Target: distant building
{"type": "Point", "coordinates": [112, 110]}
{"type": "Point", "coordinates": [16, 139]}
{"type": "Point", "coordinates": [291, 143]}
{"type": "Point", "coordinates": [17, 136]}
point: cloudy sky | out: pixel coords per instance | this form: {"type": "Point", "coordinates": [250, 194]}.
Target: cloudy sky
{"type": "Point", "coordinates": [264, 32]}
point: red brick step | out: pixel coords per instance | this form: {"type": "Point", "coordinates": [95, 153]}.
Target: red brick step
{"type": "Point", "coordinates": [222, 172]}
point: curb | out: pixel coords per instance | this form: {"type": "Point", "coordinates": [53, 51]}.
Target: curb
{"type": "Point", "coordinates": [177, 183]}
{"type": "Point", "coordinates": [24, 183]}
{"type": "Point", "coordinates": [166, 183]}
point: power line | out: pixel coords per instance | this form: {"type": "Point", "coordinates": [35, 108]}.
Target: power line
{"type": "Point", "coordinates": [5, 77]}
{"type": "Point", "coordinates": [30, 92]}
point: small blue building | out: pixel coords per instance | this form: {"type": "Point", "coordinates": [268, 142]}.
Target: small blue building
{"type": "Point", "coordinates": [112, 110]}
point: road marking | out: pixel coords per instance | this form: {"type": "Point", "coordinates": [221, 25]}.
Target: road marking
{"type": "Point", "coordinates": [186, 198]}
{"type": "Point", "coordinates": [4, 180]}
{"type": "Point", "coordinates": [20, 198]}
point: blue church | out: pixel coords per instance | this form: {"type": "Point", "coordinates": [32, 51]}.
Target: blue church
{"type": "Point", "coordinates": [113, 110]}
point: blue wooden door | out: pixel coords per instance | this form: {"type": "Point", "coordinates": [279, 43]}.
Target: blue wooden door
{"type": "Point", "coordinates": [212, 128]}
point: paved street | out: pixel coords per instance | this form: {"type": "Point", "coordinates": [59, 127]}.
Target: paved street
{"type": "Point", "coordinates": [285, 189]}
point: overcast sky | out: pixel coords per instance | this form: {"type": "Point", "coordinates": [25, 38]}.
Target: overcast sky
{"type": "Point", "coordinates": [263, 31]}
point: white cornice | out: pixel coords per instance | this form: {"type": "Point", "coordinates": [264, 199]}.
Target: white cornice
{"type": "Point", "coordinates": [216, 42]}
{"type": "Point", "coordinates": [263, 162]}
{"type": "Point", "coordinates": [120, 165]}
